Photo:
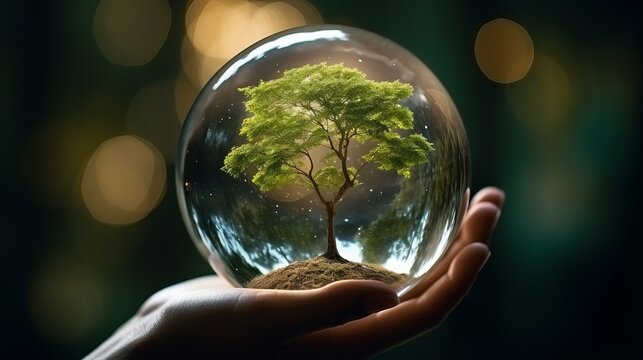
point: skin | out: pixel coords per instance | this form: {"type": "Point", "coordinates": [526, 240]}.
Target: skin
{"type": "Point", "coordinates": [205, 317]}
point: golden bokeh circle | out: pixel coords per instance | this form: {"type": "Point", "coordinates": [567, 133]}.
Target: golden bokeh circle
{"type": "Point", "coordinates": [504, 51]}
{"type": "Point", "coordinates": [124, 180]}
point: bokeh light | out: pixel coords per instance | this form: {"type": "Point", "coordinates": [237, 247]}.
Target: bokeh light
{"type": "Point", "coordinates": [198, 68]}
{"type": "Point", "coordinates": [124, 180]}
{"type": "Point", "coordinates": [504, 50]}
{"type": "Point", "coordinates": [131, 33]}
{"type": "Point", "coordinates": [217, 30]}
{"type": "Point", "coordinates": [222, 28]}
{"type": "Point", "coordinates": [543, 99]}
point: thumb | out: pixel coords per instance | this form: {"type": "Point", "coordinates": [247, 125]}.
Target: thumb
{"type": "Point", "coordinates": [292, 313]}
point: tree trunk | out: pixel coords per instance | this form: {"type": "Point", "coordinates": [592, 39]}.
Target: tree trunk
{"type": "Point", "coordinates": [331, 247]}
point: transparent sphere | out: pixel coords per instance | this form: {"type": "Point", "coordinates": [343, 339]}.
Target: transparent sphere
{"type": "Point", "coordinates": [323, 140]}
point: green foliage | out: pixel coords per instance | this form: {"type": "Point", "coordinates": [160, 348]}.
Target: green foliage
{"type": "Point", "coordinates": [396, 153]}
{"type": "Point", "coordinates": [324, 107]}
{"type": "Point", "coordinates": [329, 177]}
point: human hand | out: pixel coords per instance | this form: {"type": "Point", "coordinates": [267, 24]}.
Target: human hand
{"type": "Point", "coordinates": [429, 303]}
{"type": "Point", "coordinates": [205, 317]}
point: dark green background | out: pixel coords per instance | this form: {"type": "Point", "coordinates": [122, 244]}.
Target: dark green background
{"type": "Point", "coordinates": [564, 276]}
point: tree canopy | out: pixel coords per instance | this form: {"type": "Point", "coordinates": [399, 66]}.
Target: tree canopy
{"type": "Point", "coordinates": [324, 107]}
{"type": "Point", "coordinates": [328, 106]}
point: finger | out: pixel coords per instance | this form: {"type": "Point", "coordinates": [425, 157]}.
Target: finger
{"type": "Point", "coordinates": [490, 194]}
{"type": "Point", "coordinates": [477, 226]}
{"type": "Point", "coordinates": [379, 332]}
{"type": "Point", "coordinates": [479, 223]}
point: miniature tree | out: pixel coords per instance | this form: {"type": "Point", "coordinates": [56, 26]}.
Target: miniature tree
{"type": "Point", "coordinates": [329, 107]}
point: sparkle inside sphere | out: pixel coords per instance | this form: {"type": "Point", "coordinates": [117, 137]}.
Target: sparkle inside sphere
{"type": "Point", "coordinates": [323, 153]}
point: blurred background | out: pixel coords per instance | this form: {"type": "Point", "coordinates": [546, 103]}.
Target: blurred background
{"type": "Point", "coordinates": [93, 93]}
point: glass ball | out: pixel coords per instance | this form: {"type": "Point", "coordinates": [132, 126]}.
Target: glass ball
{"type": "Point", "coordinates": [318, 148]}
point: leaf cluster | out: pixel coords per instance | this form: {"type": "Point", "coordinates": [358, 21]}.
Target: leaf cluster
{"type": "Point", "coordinates": [324, 106]}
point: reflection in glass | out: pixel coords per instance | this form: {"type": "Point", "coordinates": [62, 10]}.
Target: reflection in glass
{"type": "Point", "coordinates": [404, 224]}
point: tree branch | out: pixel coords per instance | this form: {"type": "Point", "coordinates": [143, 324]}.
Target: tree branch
{"type": "Point", "coordinates": [355, 133]}
{"type": "Point", "coordinates": [310, 178]}
{"type": "Point", "coordinates": [358, 170]}
{"type": "Point", "coordinates": [332, 146]}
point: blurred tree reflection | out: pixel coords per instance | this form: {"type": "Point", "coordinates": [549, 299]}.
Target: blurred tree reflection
{"type": "Point", "coordinates": [253, 234]}
{"type": "Point", "coordinates": [399, 231]}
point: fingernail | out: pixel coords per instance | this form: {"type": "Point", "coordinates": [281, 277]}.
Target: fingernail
{"type": "Point", "coordinates": [379, 302]}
